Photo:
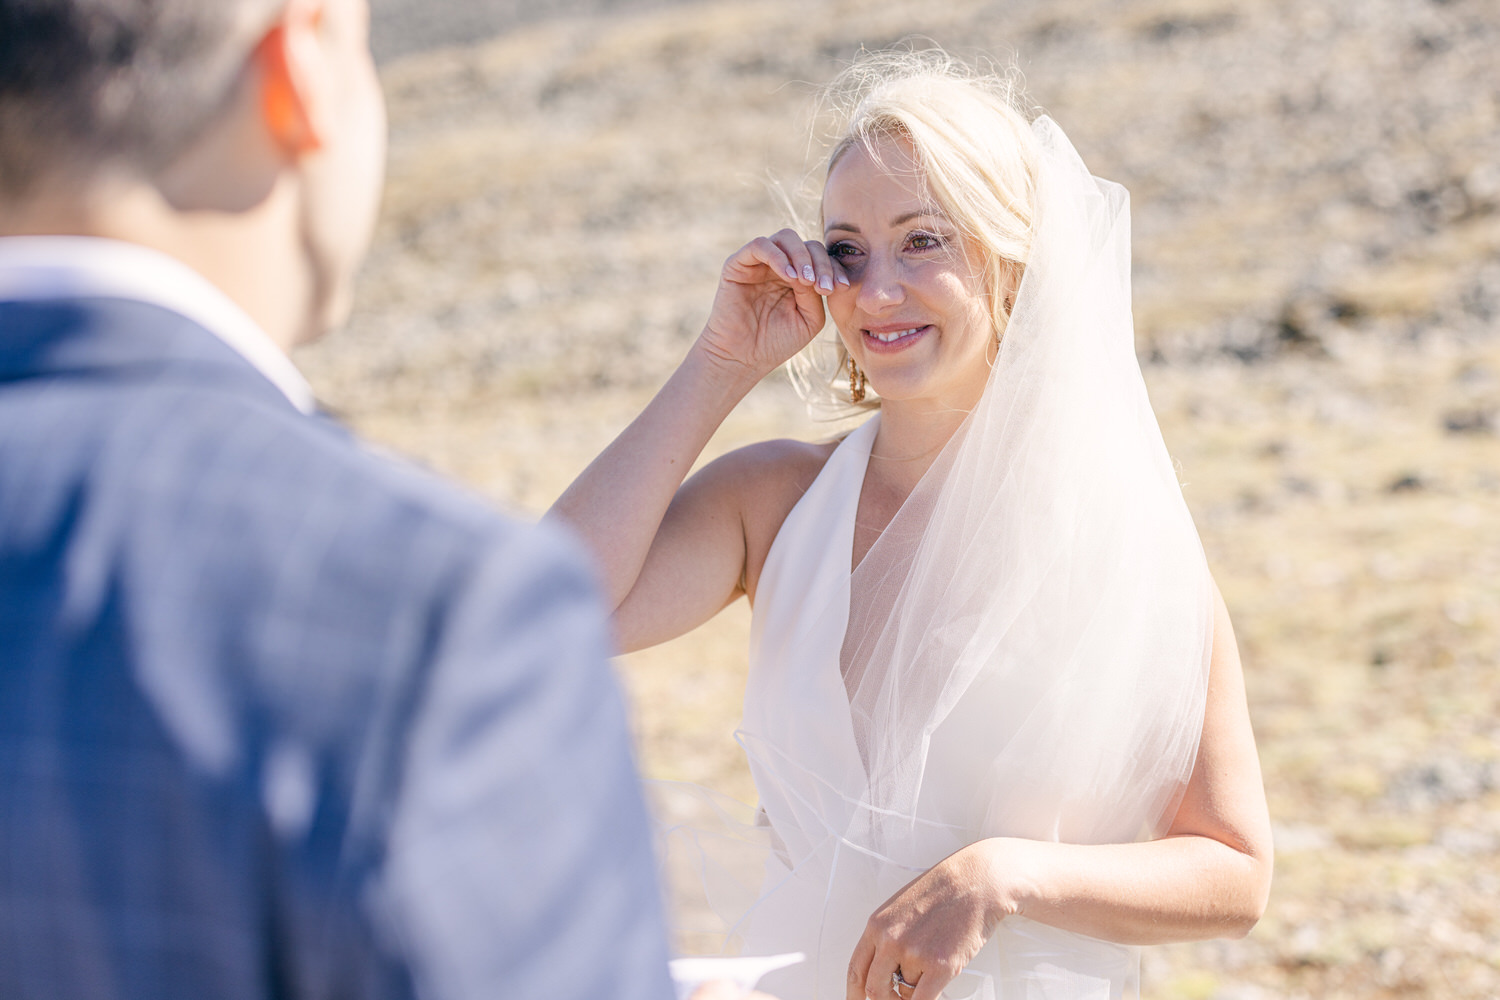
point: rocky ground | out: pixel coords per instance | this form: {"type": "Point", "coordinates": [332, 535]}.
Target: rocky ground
{"type": "Point", "coordinates": [1315, 190]}
{"type": "Point", "coordinates": [402, 27]}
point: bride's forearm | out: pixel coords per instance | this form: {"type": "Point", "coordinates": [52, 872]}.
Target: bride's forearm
{"type": "Point", "coordinates": [1208, 878]}
{"type": "Point", "coordinates": [1180, 888]}
{"type": "Point", "coordinates": [618, 502]}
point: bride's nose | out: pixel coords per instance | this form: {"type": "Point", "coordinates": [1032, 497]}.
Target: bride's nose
{"type": "Point", "coordinates": [880, 284]}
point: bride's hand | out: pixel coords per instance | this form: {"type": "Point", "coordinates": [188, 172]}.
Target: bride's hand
{"type": "Point", "coordinates": [931, 929]}
{"type": "Point", "coordinates": [769, 304]}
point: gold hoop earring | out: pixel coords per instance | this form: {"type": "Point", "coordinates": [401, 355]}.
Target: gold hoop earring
{"type": "Point", "coordinates": [856, 383]}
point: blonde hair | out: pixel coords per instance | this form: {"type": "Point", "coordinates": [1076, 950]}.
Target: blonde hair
{"type": "Point", "coordinates": [974, 148]}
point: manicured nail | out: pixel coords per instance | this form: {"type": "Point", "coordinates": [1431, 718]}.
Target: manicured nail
{"type": "Point", "coordinates": [790, 274]}
{"type": "Point", "coordinates": [825, 283]}
{"type": "Point", "coordinates": [844, 280]}
{"type": "Point", "coordinates": [807, 271]}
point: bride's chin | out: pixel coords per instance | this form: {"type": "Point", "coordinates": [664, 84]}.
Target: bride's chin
{"type": "Point", "coordinates": [947, 396]}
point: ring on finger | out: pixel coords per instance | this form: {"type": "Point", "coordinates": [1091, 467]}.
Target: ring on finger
{"type": "Point", "coordinates": [898, 983]}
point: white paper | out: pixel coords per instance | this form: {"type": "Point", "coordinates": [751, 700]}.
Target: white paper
{"type": "Point", "coordinates": [745, 971]}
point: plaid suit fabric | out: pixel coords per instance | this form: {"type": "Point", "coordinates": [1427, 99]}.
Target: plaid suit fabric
{"type": "Point", "coordinates": [283, 718]}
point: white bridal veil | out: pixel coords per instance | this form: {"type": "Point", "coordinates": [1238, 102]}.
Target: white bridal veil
{"type": "Point", "coordinates": [1024, 651]}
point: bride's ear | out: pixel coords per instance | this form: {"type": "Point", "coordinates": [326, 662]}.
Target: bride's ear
{"type": "Point", "coordinates": [1008, 276]}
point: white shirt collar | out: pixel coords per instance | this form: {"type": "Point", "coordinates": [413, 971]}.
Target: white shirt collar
{"type": "Point", "coordinates": [35, 268]}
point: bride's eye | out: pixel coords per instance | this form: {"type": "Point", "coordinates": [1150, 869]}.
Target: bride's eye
{"type": "Point", "coordinates": [924, 241]}
{"type": "Point", "coordinates": [848, 256]}
{"type": "Point", "coordinates": [843, 250]}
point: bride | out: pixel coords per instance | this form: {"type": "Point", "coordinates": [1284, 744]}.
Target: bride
{"type": "Point", "coordinates": [995, 713]}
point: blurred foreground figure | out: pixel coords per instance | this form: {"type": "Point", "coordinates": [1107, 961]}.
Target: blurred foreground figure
{"type": "Point", "coordinates": [278, 717]}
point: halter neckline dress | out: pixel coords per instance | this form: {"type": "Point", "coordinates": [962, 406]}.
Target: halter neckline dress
{"type": "Point", "coordinates": [820, 884]}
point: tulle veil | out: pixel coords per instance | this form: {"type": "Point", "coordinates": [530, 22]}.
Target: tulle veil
{"type": "Point", "coordinates": [1041, 601]}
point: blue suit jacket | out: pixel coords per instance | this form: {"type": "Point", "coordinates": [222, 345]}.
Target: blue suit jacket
{"type": "Point", "coordinates": [283, 718]}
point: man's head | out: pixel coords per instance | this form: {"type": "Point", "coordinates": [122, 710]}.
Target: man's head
{"type": "Point", "coordinates": [243, 136]}
{"type": "Point", "coordinates": [126, 81]}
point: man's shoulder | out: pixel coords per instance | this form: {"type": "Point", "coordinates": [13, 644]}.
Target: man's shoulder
{"type": "Point", "coordinates": [317, 578]}
{"type": "Point", "coordinates": [359, 495]}
{"type": "Point", "coordinates": [219, 476]}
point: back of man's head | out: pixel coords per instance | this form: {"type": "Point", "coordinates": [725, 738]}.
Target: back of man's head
{"type": "Point", "coordinates": [122, 83]}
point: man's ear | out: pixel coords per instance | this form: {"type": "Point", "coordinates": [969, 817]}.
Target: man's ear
{"type": "Point", "coordinates": [292, 64]}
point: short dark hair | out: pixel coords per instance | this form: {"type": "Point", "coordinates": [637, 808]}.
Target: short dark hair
{"type": "Point", "coordinates": [85, 82]}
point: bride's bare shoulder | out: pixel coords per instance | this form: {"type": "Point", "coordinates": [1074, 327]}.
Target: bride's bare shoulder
{"type": "Point", "coordinates": [772, 473]}
{"type": "Point", "coordinates": [766, 480]}
{"type": "Point", "coordinates": [782, 458]}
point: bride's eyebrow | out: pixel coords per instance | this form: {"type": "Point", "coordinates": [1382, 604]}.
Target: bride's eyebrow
{"type": "Point", "coordinates": [906, 217]}
{"type": "Point", "coordinates": [902, 219]}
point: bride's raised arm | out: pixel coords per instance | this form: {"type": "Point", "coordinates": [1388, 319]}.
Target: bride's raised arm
{"type": "Point", "coordinates": [672, 557]}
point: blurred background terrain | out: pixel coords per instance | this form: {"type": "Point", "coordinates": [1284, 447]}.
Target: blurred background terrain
{"type": "Point", "coordinates": [1316, 194]}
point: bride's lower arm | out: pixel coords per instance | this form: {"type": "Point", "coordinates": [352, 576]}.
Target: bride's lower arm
{"type": "Point", "coordinates": [1209, 877]}
{"type": "Point", "coordinates": [1179, 888]}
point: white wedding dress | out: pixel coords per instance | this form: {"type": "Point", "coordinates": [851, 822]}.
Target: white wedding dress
{"type": "Point", "coordinates": [1023, 652]}
{"type": "Point", "coordinates": [818, 887]}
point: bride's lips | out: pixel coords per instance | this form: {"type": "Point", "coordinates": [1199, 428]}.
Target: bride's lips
{"type": "Point", "coordinates": [891, 338]}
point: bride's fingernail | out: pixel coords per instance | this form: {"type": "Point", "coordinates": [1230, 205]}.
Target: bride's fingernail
{"type": "Point", "coordinates": [843, 280]}
{"type": "Point", "coordinates": [791, 275]}
{"type": "Point", "coordinates": [825, 284]}
{"type": "Point", "coordinates": [807, 271]}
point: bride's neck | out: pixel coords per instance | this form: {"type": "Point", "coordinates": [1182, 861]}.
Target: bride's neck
{"type": "Point", "coordinates": [910, 437]}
